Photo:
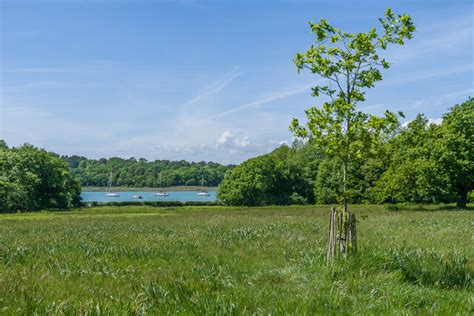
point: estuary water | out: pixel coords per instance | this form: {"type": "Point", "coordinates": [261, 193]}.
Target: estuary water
{"type": "Point", "coordinates": [182, 196]}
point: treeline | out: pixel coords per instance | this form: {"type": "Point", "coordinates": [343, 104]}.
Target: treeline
{"type": "Point", "coordinates": [35, 179]}
{"type": "Point", "coordinates": [142, 173]}
{"type": "Point", "coordinates": [419, 163]}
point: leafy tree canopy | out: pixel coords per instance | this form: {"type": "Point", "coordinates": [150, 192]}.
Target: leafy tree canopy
{"type": "Point", "coordinates": [349, 63]}
{"type": "Point", "coordinates": [419, 163]}
{"type": "Point", "coordinates": [34, 179]}
{"type": "Point", "coordinates": [457, 149]}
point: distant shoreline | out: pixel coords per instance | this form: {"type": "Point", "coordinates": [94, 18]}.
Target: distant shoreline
{"type": "Point", "coordinates": [146, 189]}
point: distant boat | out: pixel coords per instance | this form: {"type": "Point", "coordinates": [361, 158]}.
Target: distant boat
{"type": "Point", "coordinates": [109, 188]}
{"type": "Point", "coordinates": [161, 192]}
{"type": "Point", "coordinates": [137, 196]}
{"type": "Point", "coordinates": [202, 192]}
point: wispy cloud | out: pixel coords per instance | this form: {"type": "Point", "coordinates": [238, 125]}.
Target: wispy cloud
{"type": "Point", "coordinates": [42, 70]}
{"type": "Point", "coordinates": [431, 103]}
{"type": "Point", "coordinates": [372, 106]}
{"type": "Point", "coordinates": [273, 97]}
{"type": "Point", "coordinates": [214, 88]}
{"type": "Point", "coordinates": [426, 74]}
{"type": "Point", "coordinates": [443, 100]}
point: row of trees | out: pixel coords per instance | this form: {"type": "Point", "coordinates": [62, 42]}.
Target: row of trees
{"type": "Point", "coordinates": [419, 163]}
{"type": "Point", "coordinates": [34, 179]}
{"type": "Point", "coordinates": [142, 173]}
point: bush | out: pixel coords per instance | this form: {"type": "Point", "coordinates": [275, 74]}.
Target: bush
{"type": "Point", "coordinates": [256, 182]}
{"type": "Point", "coordinates": [34, 179]}
{"type": "Point", "coordinates": [272, 179]}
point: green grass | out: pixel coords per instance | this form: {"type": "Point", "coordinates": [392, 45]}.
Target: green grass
{"type": "Point", "coordinates": [218, 260]}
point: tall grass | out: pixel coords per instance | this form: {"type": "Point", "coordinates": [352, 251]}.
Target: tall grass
{"type": "Point", "coordinates": [215, 260]}
{"type": "Point", "coordinates": [428, 267]}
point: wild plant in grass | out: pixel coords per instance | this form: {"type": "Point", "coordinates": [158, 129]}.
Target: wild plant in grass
{"type": "Point", "coordinates": [428, 267]}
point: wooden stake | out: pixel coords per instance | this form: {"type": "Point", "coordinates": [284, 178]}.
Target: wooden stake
{"type": "Point", "coordinates": [342, 237]}
{"type": "Point", "coordinates": [332, 235]}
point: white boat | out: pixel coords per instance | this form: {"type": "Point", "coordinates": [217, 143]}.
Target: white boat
{"type": "Point", "coordinates": [161, 192]}
{"type": "Point", "coordinates": [137, 196]}
{"type": "Point", "coordinates": [109, 188]}
{"type": "Point", "coordinates": [202, 192]}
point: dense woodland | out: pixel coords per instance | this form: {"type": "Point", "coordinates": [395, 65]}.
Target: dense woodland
{"type": "Point", "coordinates": [142, 173]}
{"type": "Point", "coordinates": [35, 179]}
{"type": "Point", "coordinates": [419, 163]}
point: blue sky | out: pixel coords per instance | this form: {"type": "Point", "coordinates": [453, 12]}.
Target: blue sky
{"type": "Point", "coordinates": [203, 80]}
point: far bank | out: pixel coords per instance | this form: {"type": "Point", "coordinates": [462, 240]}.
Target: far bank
{"type": "Point", "coordinates": [147, 189]}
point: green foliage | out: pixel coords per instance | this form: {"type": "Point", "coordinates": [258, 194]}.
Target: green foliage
{"type": "Point", "coordinates": [457, 149]}
{"type": "Point", "coordinates": [34, 179]}
{"type": "Point", "coordinates": [414, 174]}
{"type": "Point", "coordinates": [142, 173]}
{"type": "Point", "coordinates": [278, 178]}
{"type": "Point", "coordinates": [350, 63]}
{"type": "Point", "coordinates": [327, 188]}
{"type": "Point", "coordinates": [419, 163]}
{"type": "Point", "coordinates": [257, 181]}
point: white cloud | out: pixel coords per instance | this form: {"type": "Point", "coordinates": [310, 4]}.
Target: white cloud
{"type": "Point", "coordinates": [229, 141]}
{"type": "Point", "coordinates": [224, 138]}
{"type": "Point", "coordinates": [232, 144]}
{"type": "Point", "coordinates": [278, 143]}
{"type": "Point", "coordinates": [436, 121]}
{"type": "Point", "coordinates": [242, 142]}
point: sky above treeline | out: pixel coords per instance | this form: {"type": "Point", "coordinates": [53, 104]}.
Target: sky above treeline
{"type": "Point", "coordinates": [203, 80]}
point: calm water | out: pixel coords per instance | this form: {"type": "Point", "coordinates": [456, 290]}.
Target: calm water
{"type": "Point", "coordinates": [181, 196]}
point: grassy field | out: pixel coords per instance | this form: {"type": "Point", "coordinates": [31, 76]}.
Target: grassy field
{"type": "Point", "coordinates": [195, 260]}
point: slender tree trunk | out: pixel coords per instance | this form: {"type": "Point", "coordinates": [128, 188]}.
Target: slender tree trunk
{"type": "Point", "coordinates": [344, 185]}
{"type": "Point", "coordinates": [346, 163]}
{"type": "Point", "coordinates": [461, 201]}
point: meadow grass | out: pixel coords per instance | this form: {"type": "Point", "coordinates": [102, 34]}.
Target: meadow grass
{"type": "Point", "coordinates": [227, 260]}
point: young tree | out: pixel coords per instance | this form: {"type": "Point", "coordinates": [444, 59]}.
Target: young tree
{"type": "Point", "coordinates": [350, 63]}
